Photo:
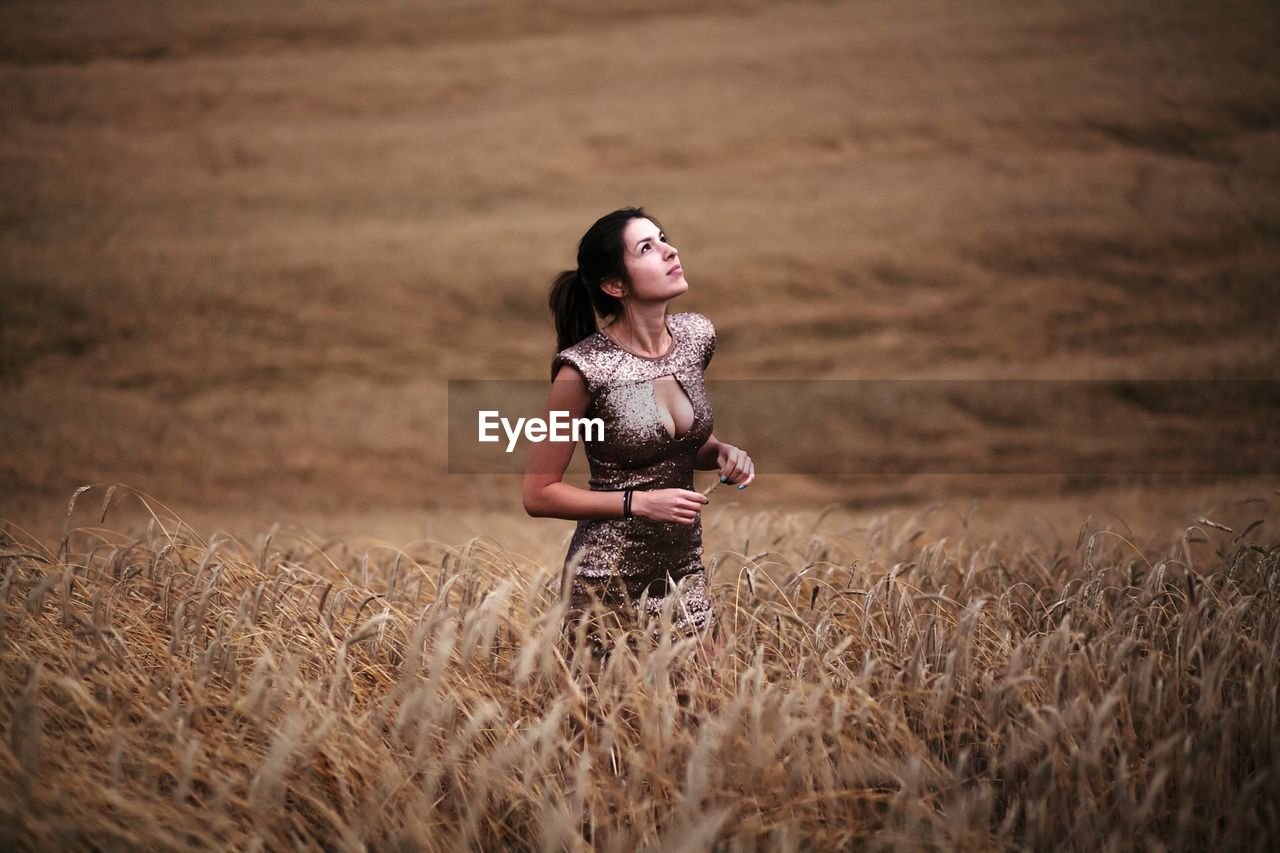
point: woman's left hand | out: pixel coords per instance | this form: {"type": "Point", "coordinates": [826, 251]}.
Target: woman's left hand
{"type": "Point", "coordinates": [735, 466]}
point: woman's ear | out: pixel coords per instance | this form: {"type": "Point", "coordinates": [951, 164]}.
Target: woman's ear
{"type": "Point", "coordinates": [613, 287]}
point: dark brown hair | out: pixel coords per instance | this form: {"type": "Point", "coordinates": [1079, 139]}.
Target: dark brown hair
{"type": "Point", "coordinates": [576, 297]}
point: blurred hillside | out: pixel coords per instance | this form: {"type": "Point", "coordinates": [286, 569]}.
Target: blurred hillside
{"type": "Point", "coordinates": [243, 248]}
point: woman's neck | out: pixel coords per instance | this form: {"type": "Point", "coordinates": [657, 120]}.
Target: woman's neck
{"type": "Point", "coordinates": [643, 332]}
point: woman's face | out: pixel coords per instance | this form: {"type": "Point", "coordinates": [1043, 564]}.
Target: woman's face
{"type": "Point", "coordinates": [652, 263]}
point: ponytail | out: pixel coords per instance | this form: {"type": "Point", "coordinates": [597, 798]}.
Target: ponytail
{"type": "Point", "coordinates": [571, 306]}
{"type": "Point", "coordinates": [576, 295]}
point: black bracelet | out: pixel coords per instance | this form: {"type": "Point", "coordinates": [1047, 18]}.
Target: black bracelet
{"type": "Point", "coordinates": [626, 504]}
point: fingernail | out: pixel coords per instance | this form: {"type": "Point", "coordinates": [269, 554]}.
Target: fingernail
{"type": "Point", "coordinates": [724, 479]}
{"type": "Point", "coordinates": [740, 488]}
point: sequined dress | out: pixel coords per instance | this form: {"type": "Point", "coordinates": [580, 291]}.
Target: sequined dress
{"type": "Point", "coordinates": [618, 561]}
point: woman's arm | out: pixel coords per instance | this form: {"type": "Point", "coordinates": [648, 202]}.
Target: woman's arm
{"type": "Point", "coordinates": [734, 463]}
{"type": "Point", "coordinates": [546, 496]}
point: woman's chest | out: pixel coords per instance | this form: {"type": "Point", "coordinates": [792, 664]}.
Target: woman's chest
{"type": "Point", "coordinates": [664, 410]}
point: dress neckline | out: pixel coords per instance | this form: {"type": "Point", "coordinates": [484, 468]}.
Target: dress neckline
{"type": "Point", "coordinates": [666, 321]}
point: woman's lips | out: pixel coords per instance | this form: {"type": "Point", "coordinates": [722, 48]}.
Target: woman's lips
{"type": "Point", "coordinates": [676, 269]}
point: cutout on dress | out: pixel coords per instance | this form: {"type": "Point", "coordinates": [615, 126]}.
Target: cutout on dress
{"type": "Point", "coordinates": [675, 409]}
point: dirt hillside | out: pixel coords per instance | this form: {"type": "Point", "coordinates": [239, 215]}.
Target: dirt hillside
{"type": "Point", "coordinates": [243, 248]}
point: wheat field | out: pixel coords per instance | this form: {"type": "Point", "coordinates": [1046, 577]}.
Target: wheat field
{"type": "Point", "coordinates": [245, 247]}
{"type": "Point", "coordinates": [886, 683]}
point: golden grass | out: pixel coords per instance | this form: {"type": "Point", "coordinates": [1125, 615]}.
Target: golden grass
{"type": "Point", "coordinates": [900, 686]}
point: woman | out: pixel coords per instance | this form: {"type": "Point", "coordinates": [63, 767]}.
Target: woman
{"type": "Point", "coordinates": [638, 543]}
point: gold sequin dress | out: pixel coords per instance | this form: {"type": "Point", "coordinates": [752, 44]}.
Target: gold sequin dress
{"type": "Point", "coordinates": [621, 562]}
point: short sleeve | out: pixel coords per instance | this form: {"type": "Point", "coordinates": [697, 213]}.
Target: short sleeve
{"type": "Point", "coordinates": [570, 358]}
{"type": "Point", "coordinates": [708, 344]}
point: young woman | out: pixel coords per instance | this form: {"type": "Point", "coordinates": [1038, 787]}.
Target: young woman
{"type": "Point", "coordinates": [638, 543]}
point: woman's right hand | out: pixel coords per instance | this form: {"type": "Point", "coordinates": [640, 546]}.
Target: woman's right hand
{"type": "Point", "coordinates": [677, 505]}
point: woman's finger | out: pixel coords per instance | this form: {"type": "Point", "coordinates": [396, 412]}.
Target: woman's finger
{"type": "Point", "coordinates": [749, 473]}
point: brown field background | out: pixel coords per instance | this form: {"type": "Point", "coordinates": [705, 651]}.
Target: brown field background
{"type": "Point", "coordinates": [244, 247]}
